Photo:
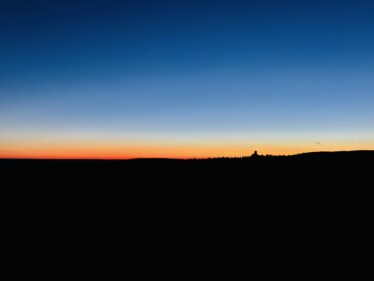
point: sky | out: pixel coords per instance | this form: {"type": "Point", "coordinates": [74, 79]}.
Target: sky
{"type": "Point", "coordinates": [185, 79]}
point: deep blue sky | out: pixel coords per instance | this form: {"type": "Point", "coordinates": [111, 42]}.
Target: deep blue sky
{"type": "Point", "coordinates": [253, 70]}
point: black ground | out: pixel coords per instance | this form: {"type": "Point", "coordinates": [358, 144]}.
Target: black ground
{"type": "Point", "coordinates": [264, 202]}
{"type": "Point", "coordinates": [247, 170]}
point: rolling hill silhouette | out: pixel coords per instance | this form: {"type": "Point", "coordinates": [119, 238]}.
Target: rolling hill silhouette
{"type": "Point", "coordinates": [211, 167]}
{"type": "Point", "coordinates": [265, 193]}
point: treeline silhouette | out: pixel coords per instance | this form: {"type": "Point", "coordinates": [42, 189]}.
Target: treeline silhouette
{"type": "Point", "coordinates": [313, 163]}
{"type": "Point", "coordinates": [262, 188]}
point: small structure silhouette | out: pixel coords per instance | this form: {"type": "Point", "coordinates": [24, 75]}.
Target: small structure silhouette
{"type": "Point", "coordinates": [255, 154]}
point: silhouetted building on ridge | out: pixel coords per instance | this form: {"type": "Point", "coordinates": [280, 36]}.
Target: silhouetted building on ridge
{"type": "Point", "coordinates": [255, 154]}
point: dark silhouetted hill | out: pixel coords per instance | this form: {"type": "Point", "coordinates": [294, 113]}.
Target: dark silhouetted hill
{"type": "Point", "coordinates": [247, 170]}
{"type": "Point", "coordinates": [273, 199]}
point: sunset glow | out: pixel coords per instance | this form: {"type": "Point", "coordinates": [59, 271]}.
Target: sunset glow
{"type": "Point", "coordinates": [107, 150]}
{"type": "Point", "coordinates": [185, 79]}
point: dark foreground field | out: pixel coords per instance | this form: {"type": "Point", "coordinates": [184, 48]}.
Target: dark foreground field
{"type": "Point", "coordinates": [255, 185]}
{"type": "Point", "coordinates": [265, 202]}
{"type": "Point", "coordinates": [252, 170]}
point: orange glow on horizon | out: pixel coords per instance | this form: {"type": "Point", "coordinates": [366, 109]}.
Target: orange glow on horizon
{"type": "Point", "coordinates": [37, 150]}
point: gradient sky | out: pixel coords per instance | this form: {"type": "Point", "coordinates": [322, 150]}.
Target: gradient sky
{"type": "Point", "coordinates": [146, 78]}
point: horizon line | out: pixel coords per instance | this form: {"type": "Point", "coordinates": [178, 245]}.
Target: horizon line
{"type": "Point", "coordinates": [178, 158]}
